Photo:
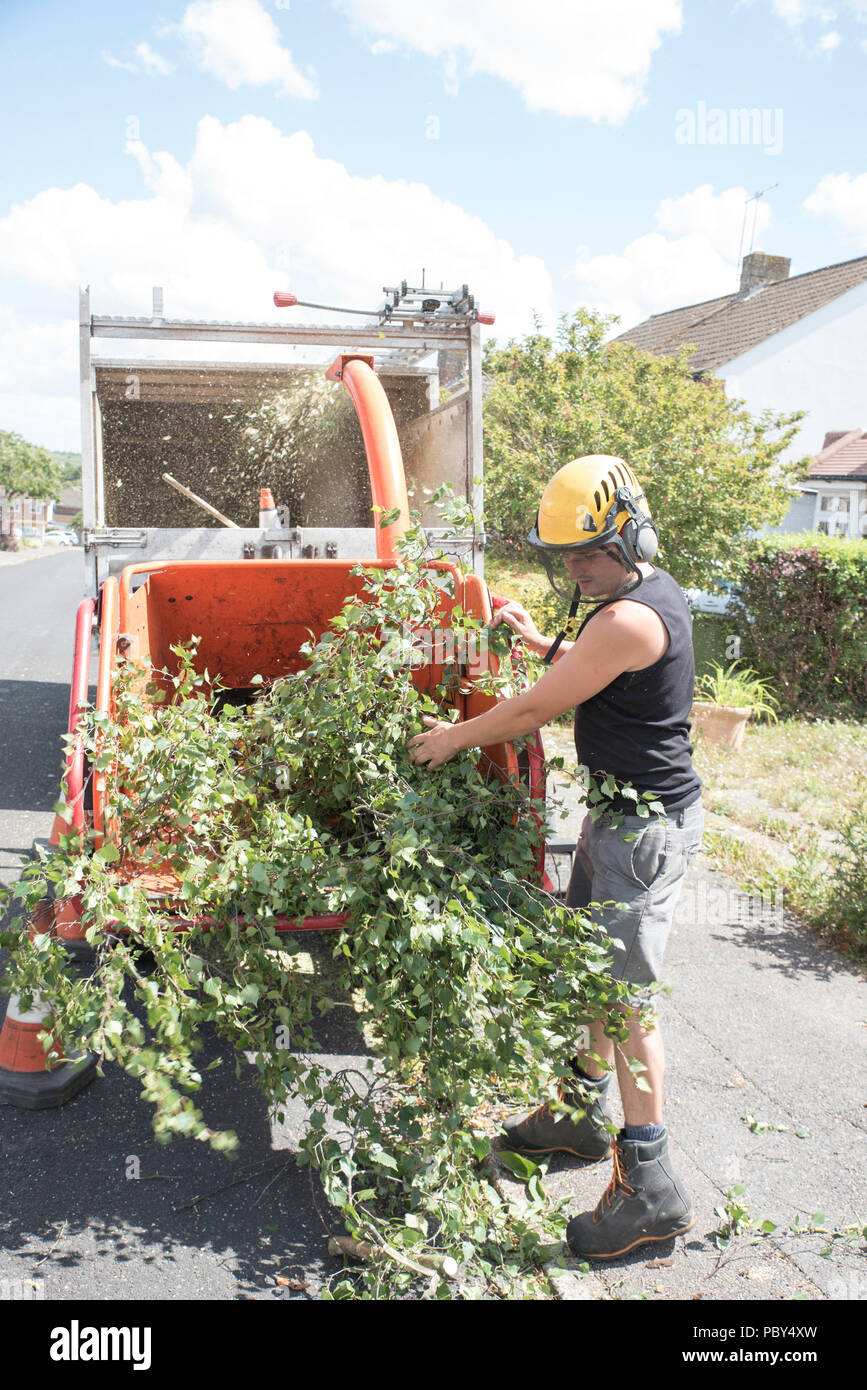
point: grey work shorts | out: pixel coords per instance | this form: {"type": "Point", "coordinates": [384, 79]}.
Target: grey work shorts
{"type": "Point", "coordinates": [643, 874]}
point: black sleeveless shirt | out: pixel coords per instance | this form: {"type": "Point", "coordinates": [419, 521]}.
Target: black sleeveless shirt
{"type": "Point", "coordinates": [637, 728]}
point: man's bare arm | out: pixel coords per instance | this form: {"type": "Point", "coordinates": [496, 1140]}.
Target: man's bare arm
{"type": "Point", "coordinates": [622, 637]}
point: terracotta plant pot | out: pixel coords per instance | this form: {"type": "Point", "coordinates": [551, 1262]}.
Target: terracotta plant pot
{"type": "Point", "coordinates": [721, 723]}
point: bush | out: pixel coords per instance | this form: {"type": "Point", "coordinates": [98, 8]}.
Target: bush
{"type": "Point", "coordinates": [848, 889]}
{"type": "Point", "coordinates": [829, 894]}
{"type": "Point", "coordinates": [803, 606]}
{"type": "Point", "coordinates": [710, 641]}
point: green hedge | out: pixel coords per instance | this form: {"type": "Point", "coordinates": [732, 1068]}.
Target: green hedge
{"type": "Point", "coordinates": [711, 633]}
{"type": "Point", "coordinates": [802, 617]}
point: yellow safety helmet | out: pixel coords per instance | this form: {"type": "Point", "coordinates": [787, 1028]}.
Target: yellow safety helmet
{"type": "Point", "coordinates": [593, 502]}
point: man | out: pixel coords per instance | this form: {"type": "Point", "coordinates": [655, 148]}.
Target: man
{"type": "Point", "coordinates": [630, 677]}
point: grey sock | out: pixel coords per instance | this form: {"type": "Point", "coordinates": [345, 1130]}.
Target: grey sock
{"type": "Point", "coordinates": [645, 1134]}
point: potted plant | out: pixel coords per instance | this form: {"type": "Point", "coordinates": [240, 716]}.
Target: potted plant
{"type": "Point", "coordinates": [732, 696]}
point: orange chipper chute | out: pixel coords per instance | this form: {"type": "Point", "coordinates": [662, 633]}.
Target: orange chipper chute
{"type": "Point", "coordinates": [381, 444]}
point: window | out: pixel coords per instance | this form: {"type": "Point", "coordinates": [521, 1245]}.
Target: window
{"type": "Point", "coordinates": [833, 514]}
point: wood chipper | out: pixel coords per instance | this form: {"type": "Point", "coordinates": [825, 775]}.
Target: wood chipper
{"type": "Point", "coordinates": [159, 432]}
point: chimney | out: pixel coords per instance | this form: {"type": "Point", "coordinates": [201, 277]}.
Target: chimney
{"type": "Point", "coordinates": [759, 269]}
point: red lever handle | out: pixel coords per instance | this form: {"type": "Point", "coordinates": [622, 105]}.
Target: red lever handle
{"type": "Point", "coordinates": [284, 299]}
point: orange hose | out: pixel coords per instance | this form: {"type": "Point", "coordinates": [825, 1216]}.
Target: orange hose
{"type": "Point", "coordinates": [382, 447]}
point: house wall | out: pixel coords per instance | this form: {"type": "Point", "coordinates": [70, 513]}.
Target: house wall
{"type": "Point", "coordinates": [25, 511]}
{"type": "Point", "coordinates": [816, 365]}
{"type": "Point", "coordinates": [799, 517]}
{"type": "Point", "coordinates": [806, 512]}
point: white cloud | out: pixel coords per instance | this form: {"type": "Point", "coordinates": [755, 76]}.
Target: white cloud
{"type": "Point", "coordinates": [152, 63]}
{"type": "Point", "coordinates": [238, 42]}
{"type": "Point", "coordinates": [797, 13]}
{"type": "Point", "coordinates": [117, 62]}
{"type": "Point", "coordinates": [843, 198]}
{"type": "Point", "coordinates": [792, 11]}
{"type": "Point", "coordinates": [220, 234]}
{"type": "Point", "coordinates": [691, 257]}
{"type": "Point", "coordinates": [829, 42]}
{"type": "Point", "coordinates": [146, 60]}
{"type": "Point", "coordinates": [37, 369]}
{"type": "Point", "coordinates": [573, 57]}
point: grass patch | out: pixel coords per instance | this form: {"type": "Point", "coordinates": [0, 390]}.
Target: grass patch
{"type": "Point", "coordinates": [816, 769]}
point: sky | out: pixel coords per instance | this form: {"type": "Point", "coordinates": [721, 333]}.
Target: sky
{"type": "Point", "coordinates": [551, 155]}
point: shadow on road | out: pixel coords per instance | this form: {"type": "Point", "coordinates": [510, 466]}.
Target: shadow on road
{"type": "Point", "coordinates": [33, 716]}
{"type": "Point", "coordinates": [193, 1223]}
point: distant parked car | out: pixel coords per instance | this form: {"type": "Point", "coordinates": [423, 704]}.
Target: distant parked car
{"type": "Point", "coordinates": [719, 599]}
{"type": "Point", "coordinates": [54, 536]}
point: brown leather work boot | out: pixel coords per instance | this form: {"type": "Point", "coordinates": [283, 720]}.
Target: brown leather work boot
{"type": "Point", "coordinates": [542, 1131]}
{"type": "Point", "coordinates": [643, 1202]}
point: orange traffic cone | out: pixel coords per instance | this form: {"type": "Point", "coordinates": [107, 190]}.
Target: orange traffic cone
{"type": "Point", "coordinates": [62, 918]}
{"type": "Point", "coordinates": [26, 1077]}
{"type": "Point", "coordinates": [268, 515]}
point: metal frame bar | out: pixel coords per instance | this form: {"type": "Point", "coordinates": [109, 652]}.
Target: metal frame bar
{"type": "Point", "coordinates": [88, 457]}
{"type": "Point", "coordinates": [426, 336]}
{"type": "Point", "coordinates": [475, 454]}
{"type": "Point", "coordinates": [388, 366]}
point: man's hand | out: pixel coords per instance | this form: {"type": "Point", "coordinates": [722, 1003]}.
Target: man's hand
{"type": "Point", "coordinates": [436, 746]}
{"type": "Point", "coordinates": [517, 617]}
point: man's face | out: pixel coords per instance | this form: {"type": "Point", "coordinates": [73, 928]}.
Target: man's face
{"type": "Point", "coordinates": [599, 572]}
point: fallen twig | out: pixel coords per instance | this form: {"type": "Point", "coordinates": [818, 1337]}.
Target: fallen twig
{"type": "Point", "coordinates": [423, 1264]}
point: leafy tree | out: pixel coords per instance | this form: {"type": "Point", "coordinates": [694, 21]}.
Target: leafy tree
{"type": "Point", "coordinates": [27, 470]}
{"type": "Point", "coordinates": [711, 470]}
{"type": "Point", "coordinates": [71, 465]}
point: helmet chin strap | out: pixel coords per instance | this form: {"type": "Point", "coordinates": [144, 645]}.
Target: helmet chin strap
{"type": "Point", "coordinates": [567, 630]}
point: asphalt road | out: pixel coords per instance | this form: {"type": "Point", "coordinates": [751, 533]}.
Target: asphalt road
{"type": "Point", "coordinates": [38, 599]}
{"type": "Point", "coordinates": [70, 1216]}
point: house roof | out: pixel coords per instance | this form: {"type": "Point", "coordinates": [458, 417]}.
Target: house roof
{"type": "Point", "coordinates": [842, 456]}
{"type": "Point", "coordinates": [724, 328]}
{"type": "Point", "coordinates": [70, 499]}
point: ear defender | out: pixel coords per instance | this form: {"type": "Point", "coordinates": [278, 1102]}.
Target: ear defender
{"type": "Point", "coordinates": [639, 533]}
